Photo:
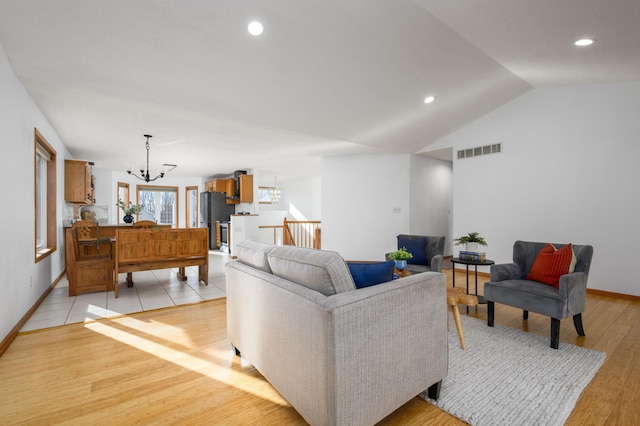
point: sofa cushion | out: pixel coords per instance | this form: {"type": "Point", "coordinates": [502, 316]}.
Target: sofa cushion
{"type": "Point", "coordinates": [254, 254]}
{"type": "Point", "coordinates": [550, 264]}
{"type": "Point", "coordinates": [323, 271]}
{"type": "Point", "coordinates": [416, 246]}
{"type": "Point", "coordinates": [368, 274]}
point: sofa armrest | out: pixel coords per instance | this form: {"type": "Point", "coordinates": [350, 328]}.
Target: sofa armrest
{"type": "Point", "coordinates": [505, 271]}
{"type": "Point", "coordinates": [436, 263]}
{"type": "Point", "coordinates": [573, 286]}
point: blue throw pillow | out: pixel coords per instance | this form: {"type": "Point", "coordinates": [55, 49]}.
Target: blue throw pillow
{"type": "Point", "coordinates": [416, 247]}
{"type": "Point", "coordinates": [368, 274]}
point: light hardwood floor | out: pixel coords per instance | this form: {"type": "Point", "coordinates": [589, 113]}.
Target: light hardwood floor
{"type": "Point", "coordinates": [175, 366]}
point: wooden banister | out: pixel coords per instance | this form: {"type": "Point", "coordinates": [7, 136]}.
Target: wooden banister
{"type": "Point", "coordinates": [301, 233]}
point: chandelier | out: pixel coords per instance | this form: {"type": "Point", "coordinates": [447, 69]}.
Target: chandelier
{"type": "Point", "coordinates": [144, 174]}
{"type": "Point", "coordinates": [275, 193]}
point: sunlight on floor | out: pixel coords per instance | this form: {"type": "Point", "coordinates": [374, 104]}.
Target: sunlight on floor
{"type": "Point", "coordinates": [211, 369]}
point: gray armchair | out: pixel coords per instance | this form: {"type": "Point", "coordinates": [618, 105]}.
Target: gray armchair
{"type": "Point", "coordinates": [427, 252]}
{"type": "Point", "coordinates": [509, 287]}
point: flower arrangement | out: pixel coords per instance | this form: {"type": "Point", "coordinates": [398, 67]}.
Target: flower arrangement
{"type": "Point", "coordinates": [400, 254]}
{"type": "Point", "coordinates": [130, 209]}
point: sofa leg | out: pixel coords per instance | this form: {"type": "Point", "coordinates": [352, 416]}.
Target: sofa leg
{"type": "Point", "coordinates": [434, 390]}
{"type": "Point", "coordinates": [237, 351]}
{"type": "Point", "coordinates": [525, 315]}
{"type": "Point", "coordinates": [555, 333]}
{"type": "Point", "coordinates": [577, 321]}
{"type": "Point", "coordinates": [490, 313]}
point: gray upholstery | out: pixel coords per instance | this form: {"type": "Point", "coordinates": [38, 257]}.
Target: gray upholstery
{"type": "Point", "coordinates": [434, 250]}
{"type": "Point", "coordinates": [509, 286]}
{"type": "Point", "coordinates": [254, 254]}
{"type": "Point", "coordinates": [323, 271]}
{"type": "Point", "coordinates": [348, 358]}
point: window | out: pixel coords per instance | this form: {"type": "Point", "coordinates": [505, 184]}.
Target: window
{"type": "Point", "coordinates": [45, 197]}
{"type": "Point", "coordinates": [192, 206]}
{"type": "Point", "coordinates": [123, 194]}
{"type": "Point", "coordinates": [160, 204]}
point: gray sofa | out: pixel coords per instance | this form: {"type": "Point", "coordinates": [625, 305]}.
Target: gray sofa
{"type": "Point", "coordinates": [509, 286]}
{"type": "Point", "coordinates": [427, 258]}
{"type": "Point", "coordinates": [339, 355]}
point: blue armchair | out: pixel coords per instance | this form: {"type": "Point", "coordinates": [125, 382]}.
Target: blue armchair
{"type": "Point", "coordinates": [509, 286]}
{"type": "Point", "coordinates": [427, 252]}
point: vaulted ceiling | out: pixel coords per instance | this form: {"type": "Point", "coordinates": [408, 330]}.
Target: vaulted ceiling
{"type": "Point", "coordinates": [326, 77]}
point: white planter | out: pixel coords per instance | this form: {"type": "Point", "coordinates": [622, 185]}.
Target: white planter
{"type": "Point", "coordinates": [474, 247]}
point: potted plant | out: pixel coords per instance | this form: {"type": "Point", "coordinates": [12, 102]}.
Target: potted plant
{"type": "Point", "coordinates": [400, 256]}
{"type": "Point", "coordinates": [471, 241]}
{"type": "Point", "coordinates": [129, 210]}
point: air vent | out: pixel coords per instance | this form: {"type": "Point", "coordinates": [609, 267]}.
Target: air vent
{"type": "Point", "coordinates": [480, 150]}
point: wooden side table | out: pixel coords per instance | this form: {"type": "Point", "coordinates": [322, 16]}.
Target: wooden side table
{"type": "Point", "coordinates": [455, 296]}
{"type": "Point", "coordinates": [402, 272]}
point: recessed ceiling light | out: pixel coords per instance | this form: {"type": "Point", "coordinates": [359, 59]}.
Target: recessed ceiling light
{"type": "Point", "coordinates": [429, 99]}
{"type": "Point", "coordinates": [584, 42]}
{"type": "Point", "coordinates": [255, 28]}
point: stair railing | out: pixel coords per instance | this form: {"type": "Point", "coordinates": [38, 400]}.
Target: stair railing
{"type": "Point", "coordinates": [302, 233]}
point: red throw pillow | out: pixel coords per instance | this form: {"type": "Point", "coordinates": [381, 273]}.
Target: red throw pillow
{"type": "Point", "coordinates": [550, 264]}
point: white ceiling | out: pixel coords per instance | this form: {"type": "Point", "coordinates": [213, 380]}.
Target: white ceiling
{"type": "Point", "coordinates": [327, 77]}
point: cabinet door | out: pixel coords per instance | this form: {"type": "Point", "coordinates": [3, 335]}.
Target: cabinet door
{"type": "Point", "coordinates": [220, 185]}
{"type": "Point", "coordinates": [77, 182]}
{"type": "Point", "coordinates": [230, 190]}
{"type": "Point", "coordinates": [246, 188]}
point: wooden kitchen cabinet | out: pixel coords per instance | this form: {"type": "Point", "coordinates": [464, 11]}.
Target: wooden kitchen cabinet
{"type": "Point", "coordinates": [246, 188]}
{"type": "Point", "coordinates": [228, 186]}
{"type": "Point", "coordinates": [230, 189]}
{"type": "Point", "coordinates": [216, 185]}
{"type": "Point", "coordinates": [78, 182]}
{"type": "Point", "coordinates": [220, 185]}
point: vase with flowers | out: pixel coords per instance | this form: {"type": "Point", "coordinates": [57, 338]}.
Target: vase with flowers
{"type": "Point", "coordinates": [129, 210]}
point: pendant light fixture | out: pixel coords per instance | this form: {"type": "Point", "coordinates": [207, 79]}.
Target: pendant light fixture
{"type": "Point", "coordinates": [144, 174]}
{"type": "Point", "coordinates": [275, 193]}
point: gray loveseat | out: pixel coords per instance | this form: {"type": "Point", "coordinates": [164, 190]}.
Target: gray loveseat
{"type": "Point", "coordinates": [339, 355]}
{"type": "Point", "coordinates": [509, 286]}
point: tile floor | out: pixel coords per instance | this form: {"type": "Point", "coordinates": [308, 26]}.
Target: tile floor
{"type": "Point", "coordinates": [151, 290]}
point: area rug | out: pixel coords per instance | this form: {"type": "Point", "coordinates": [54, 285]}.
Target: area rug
{"type": "Point", "coordinates": [509, 377]}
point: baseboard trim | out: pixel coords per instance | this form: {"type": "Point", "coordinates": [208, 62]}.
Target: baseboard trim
{"type": "Point", "coordinates": [595, 292]}
{"type": "Point", "coordinates": [9, 338]}
{"type": "Point", "coordinates": [480, 273]}
{"type": "Point", "coordinates": [591, 291]}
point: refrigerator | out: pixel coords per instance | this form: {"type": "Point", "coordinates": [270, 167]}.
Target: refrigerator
{"type": "Point", "coordinates": [214, 207]}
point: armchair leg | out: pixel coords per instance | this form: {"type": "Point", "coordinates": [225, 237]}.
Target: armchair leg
{"type": "Point", "coordinates": [525, 315]}
{"type": "Point", "coordinates": [555, 333]}
{"type": "Point", "coordinates": [490, 313]}
{"type": "Point", "coordinates": [434, 390]}
{"type": "Point", "coordinates": [577, 321]}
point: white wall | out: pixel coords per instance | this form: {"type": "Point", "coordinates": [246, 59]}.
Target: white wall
{"type": "Point", "coordinates": [22, 281]}
{"type": "Point", "coordinates": [431, 184]}
{"type": "Point", "coordinates": [368, 200]}
{"type": "Point", "coordinates": [568, 173]}
{"type": "Point", "coordinates": [302, 198]}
